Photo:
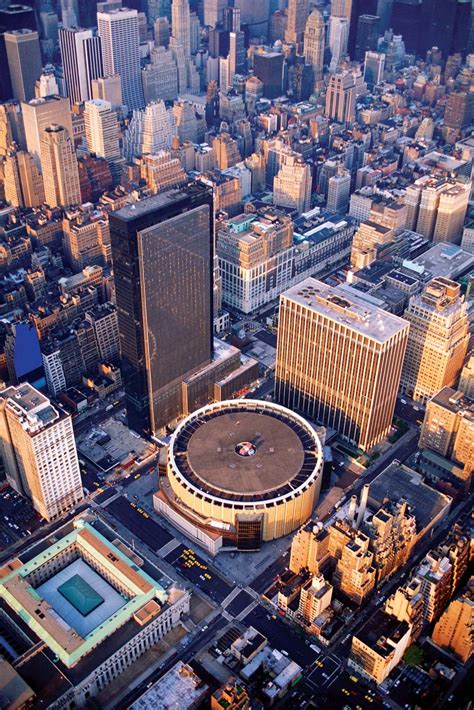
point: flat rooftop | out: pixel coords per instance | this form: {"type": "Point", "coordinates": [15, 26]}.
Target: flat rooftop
{"type": "Point", "coordinates": [65, 630]}
{"type": "Point", "coordinates": [82, 611]}
{"type": "Point", "coordinates": [274, 453]}
{"type": "Point", "coordinates": [444, 259]}
{"type": "Point", "coordinates": [453, 400]}
{"type": "Point", "coordinates": [178, 689]}
{"type": "Point", "coordinates": [156, 202]}
{"type": "Point", "coordinates": [398, 482]}
{"type": "Point", "coordinates": [353, 312]}
{"type": "Point", "coordinates": [380, 630]}
{"type": "Point", "coordinates": [242, 453]}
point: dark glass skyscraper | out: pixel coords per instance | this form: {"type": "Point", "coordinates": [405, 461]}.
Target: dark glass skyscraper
{"type": "Point", "coordinates": [438, 19]}
{"type": "Point", "coordinates": [162, 251]}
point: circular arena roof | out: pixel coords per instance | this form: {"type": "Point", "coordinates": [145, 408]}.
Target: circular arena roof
{"type": "Point", "coordinates": [245, 451]}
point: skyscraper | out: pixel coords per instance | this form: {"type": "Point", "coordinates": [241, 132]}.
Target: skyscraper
{"type": "Point", "coordinates": [59, 167]}
{"type": "Point", "coordinates": [341, 98]}
{"type": "Point", "coordinates": [38, 114]}
{"type": "Point", "coordinates": [163, 256]}
{"type": "Point", "coordinates": [39, 451]}
{"type": "Point", "coordinates": [23, 181]}
{"type": "Point", "coordinates": [437, 207]}
{"type": "Point", "coordinates": [338, 39]}
{"type": "Point", "coordinates": [297, 17]}
{"type": "Point", "coordinates": [268, 67]}
{"type": "Point", "coordinates": [438, 19]}
{"type": "Point", "coordinates": [103, 133]}
{"type": "Point", "coordinates": [453, 632]}
{"type": "Point", "coordinates": [438, 339]}
{"type": "Point", "coordinates": [314, 46]}
{"type": "Point", "coordinates": [24, 62]}
{"type": "Point", "coordinates": [81, 57]}
{"type": "Point", "coordinates": [214, 12]}
{"type": "Point", "coordinates": [341, 8]}
{"type": "Point", "coordinates": [118, 30]}
{"type": "Point", "coordinates": [339, 360]}
{"type": "Point", "coordinates": [339, 190]}
{"type": "Point", "coordinates": [373, 68]}
{"type": "Point", "coordinates": [181, 25]}
{"type": "Point", "coordinates": [367, 35]}
{"type": "Point", "coordinates": [292, 184]}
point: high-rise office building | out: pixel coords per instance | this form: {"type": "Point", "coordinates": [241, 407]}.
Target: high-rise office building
{"type": "Point", "coordinates": [314, 46]}
{"type": "Point", "coordinates": [438, 19]}
{"type": "Point", "coordinates": [338, 39]}
{"type": "Point", "coordinates": [448, 430]}
{"type": "Point", "coordinates": [359, 8]}
{"type": "Point", "coordinates": [108, 88]}
{"type": "Point", "coordinates": [339, 360]}
{"type": "Point", "coordinates": [295, 27]}
{"type": "Point", "coordinates": [437, 341]}
{"type": "Point", "coordinates": [39, 450]}
{"type": "Point", "coordinates": [181, 25]}
{"type": "Point", "coordinates": [23, 181]}
{"type": "Point", "coordinates": [378, 647]}
{"type": "Point", "coordinates": [367, 35]}
{"type": "Point", "coordinates": [453, 632]}
{"type": "Point", "coordinates": [24, 62]}
{"type": "Point", "coordinates": [339, 190]}
{"type": "Point", "coordinates": [341, 8]}
{"type": "Point", "coordinates": [435, 574]}
{"type": "Point", "coordinates": [341, 98]}
{"type": "Point", "coordinates": [436, 208]}
{"type": "Point", "coordinates": [255, 15]}
{"type": "Point", "coordinates": [406, 604]}
{"type": "Point", "coordinates": [292, 184]}
{"type": "Point", "coordinates": [119, 34]}
{"type": "Point", "coordinates": [163, 265]}
{"type": "Point", "coordinates": [38, 114]}
{"type": "Point", "coordinates": [374, 66]}
{"type": "Point", "coordinates": [149, 131]}
{"type": "Point", "coordinates": [59, 167]}
{"type": "Point", "coordinates": [103, 133]}
{"type": "Point", "coordinates": [214, 12]}
{"type": "Point", "coordinates": [268, 67]}
{"type": "Point", "coordinates": [459, 110]}
{"type": "Point", "coordinates": [315, 598]}
{"type": "Point", "coordinates": [406, 21]}
{"type": "Point", "coordinates": [81, 57]}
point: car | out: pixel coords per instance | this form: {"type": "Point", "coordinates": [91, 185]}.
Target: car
{"type": "Point", "coordinates": [417, 409]}
{"type": "Point", "coordinates": [403, 401]}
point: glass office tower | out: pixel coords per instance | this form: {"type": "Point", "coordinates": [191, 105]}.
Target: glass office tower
{"type": "Point", "coordinates": [162, 251]}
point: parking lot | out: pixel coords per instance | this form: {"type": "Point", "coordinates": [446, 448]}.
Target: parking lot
{"type": "Point", "coordinates": [199, 572]}
{"type": "Point", "coordinates": [18, 518]}
{"type": "Point", "coordinates": [139, 522]}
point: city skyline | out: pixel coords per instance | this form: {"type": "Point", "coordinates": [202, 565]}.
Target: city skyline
{"type": "Point", "coordinates": [236, 354]}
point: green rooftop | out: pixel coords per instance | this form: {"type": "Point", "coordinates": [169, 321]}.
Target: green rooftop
{"type": "Point", "coordinates": [80, 594]}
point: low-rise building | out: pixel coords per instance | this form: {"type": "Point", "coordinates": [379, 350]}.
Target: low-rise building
{"type": "Point", "coordinates": [180, 688]}
{"type": "Point", "coordinates": [86, 610]}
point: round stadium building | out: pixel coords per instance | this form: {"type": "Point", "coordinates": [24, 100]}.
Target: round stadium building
{"type": "Point", "coordinates": [241, 472]}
